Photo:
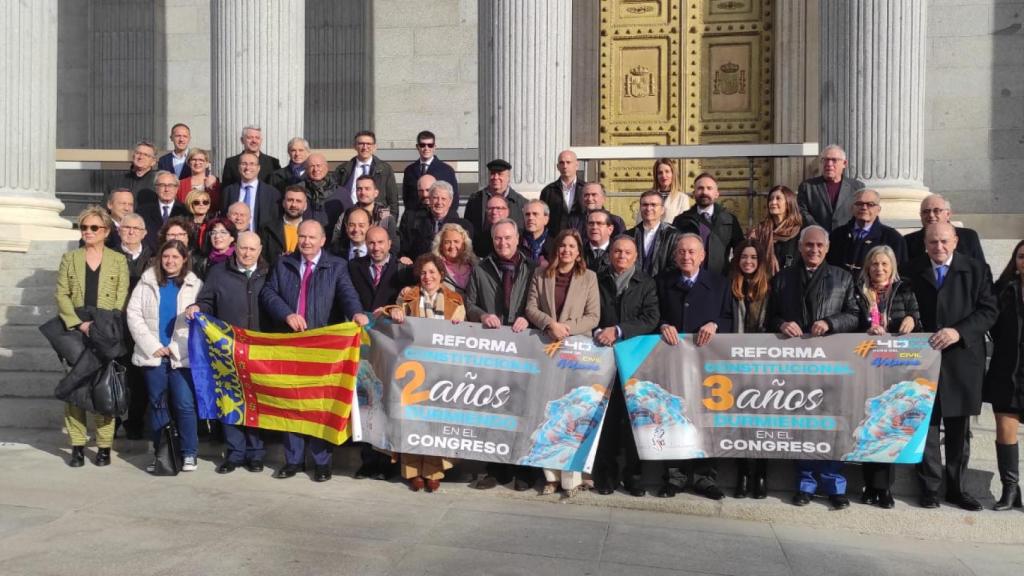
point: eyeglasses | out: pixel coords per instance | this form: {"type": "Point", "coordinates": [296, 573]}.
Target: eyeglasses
{"type": "Point", "coordinates": [166, 186]}
{"type": "Point", "coordinates": [177, 235]}
{"type": "Point", "coordinates": [831, 160]}
{"type": "Point", "coordinates": [198, 159]}
{"type": "Point", "coordinates": [200, 202]}
{"type": "Point", "coordinates": [364, 144]}
{"type": "Point", "coordinates": [496, 208]}
{"type": "Point", "coordinates": [650, 205]}
{"type": "Point", "coordinates": [92, 228]}
{"type": "Point", "coordinates": [927, 211]}
{"type": "Point", "coordinates": [425, 145]}
{"type": "Point", "coordinates": [132, 229]}
{"type": "Point", "coordinates": [219, 232]}
{"type": "Point", "coordinates": [597, 224]}
{"type": "Point", "coordinates": [865, 204]}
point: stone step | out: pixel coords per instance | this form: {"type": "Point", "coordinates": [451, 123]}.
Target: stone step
{"type": "Point", "coordinates": [28, 384]}
{"type": "Point", "coordinates": [28, 278]}
{"type": "Point", "coordinates": [30, 260]}
{"type": "Point", "coordinates": [19, 337]}
{"type": "Point", "coordinates": [26, 315]}
{"type": "Point", "coordinates": [18, 412]}
{"type": "Point", "coordinates": [30, 296]}
{"type": "Point", "coordinates": [29, 360]}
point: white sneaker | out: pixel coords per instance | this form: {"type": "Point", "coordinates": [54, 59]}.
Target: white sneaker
{"type": "Point", "coordinates": [190, 464]}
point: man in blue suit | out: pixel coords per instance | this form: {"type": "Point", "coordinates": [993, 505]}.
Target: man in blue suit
{"type": "Point", "coordinates": [176, 161]}
{"type": "Point", "coordinates": [263, 199]}
{"type": "Point", "coordinates": [309, 289]}
{"type": "Point", "coordinates": [430, 164]}
{"type": "Point", "coordinates": [692, 301]}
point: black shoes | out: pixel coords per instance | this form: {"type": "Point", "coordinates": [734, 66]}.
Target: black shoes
{"type": "Point", "coordinates": [711, 491]}
{"type": "Point", "coordinates": [254, 465]}
{"type": "Point", "coordinates": [102, 457]}
{"type": "Point", "coordinates": [288, 471]}
{"type": "Point", "coordinates": [929, 500]}
{"type": "Point", "coordinates": [605, 490]}
{"type": "Point", "coordinates": [802, 498]}
{"type": "Point", "coordinates": [667, 491]}
{"type": "Point", "coordinates": [885, 500]}
{"type": "Point", "coordinates": [760, 491]}
{"type": "Point", "coordinates": [869, 496]}
{"type": "Point", "coordinates": [77, 459]}
{"type": "Point", "coordinates": [839, 501]}
{"type": "Point", "coordinates": [637, 492]}
{"type": "Point", "coordinates": [321, 473]}
{"type": "Point", "coordinates": [742, 487]}
{"type": "Point", "coordinates": [226, 467]}
{"type": "Point", "coordinates": [965, 501]}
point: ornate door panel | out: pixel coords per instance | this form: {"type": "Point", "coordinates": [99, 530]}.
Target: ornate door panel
{"type": "Point", "coordinates": [685, 72]}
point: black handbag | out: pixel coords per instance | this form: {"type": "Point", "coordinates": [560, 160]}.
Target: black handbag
{"type": "Point", "coordinates": [110, 394]}
{"type": "Point", "coordinates": [168, 451]}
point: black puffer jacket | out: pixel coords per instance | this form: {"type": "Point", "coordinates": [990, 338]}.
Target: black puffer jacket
{"type": "Point", "coordinates": [902, 303]}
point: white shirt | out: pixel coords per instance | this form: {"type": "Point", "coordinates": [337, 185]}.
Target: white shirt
{"type": "Point", "coordinates": [601, 247]}
{"type": "Point", "coordinates": [168, 205]}
{"type": "Point", "coordinates": [178, 162]}
{"type": "Point", "coordinates": [302, 270]}
{"type": "Point", "coordinates": [356, 251]}
{"type": "Point", "coordinates": [649, 236]}
{"type": "Point", "coordinates": [935, 267]}
{"type": "Point", "coordinates": [709, 211]}
{"type": "Point", "coordinates": [132, 254]}
{"type": "Point", "coordinates": [359, 172]}
{"type": "Point", "coordinates": [568, 192]}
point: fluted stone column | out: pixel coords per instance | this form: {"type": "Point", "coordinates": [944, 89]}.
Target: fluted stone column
{"type": "Point", "coordinates": [29, 209]}
{"type": "Point", "coordinates": [259, 74]}
{"type": "Point", "coordinates": [525, 88]}
{"type": "Point", "coordinates": [872, 95]}
{"type": "Point", "coordinates": [795, 102]}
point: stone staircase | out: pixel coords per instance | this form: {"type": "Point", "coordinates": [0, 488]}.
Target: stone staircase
{"type": "Point", "coordinates": [29, 368]}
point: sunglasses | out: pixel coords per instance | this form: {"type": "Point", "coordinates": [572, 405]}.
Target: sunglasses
{"type": "Point", "coordinates": [92, 228]}
{"type": "Point", "coordinates": [200, 202]}
{"type": "Point", "coordinates": [425, 145]}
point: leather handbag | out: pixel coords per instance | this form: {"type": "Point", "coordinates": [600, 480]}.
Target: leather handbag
{"type": "Point", "coordinates": [168, 452]}
{"type": "Point", "coordinates": [110, 393]}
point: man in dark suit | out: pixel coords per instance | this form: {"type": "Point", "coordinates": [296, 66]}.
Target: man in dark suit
{"type": "Point", "coordinates": [534, 242]}
{"type": "Point", "coordinates": [692, 301]}
{"type": "Point", "coordinates": [954, 294]}
{"type": "Point", "coordinates": [814, 298]}
{"type": "Point", "coordinates": [655, 240]}
{"type": "Point", "coordinates": [280, 236]}
{"type": "Point", "coordinates": [497, 210]}
{"type": "Point", "coordinates": [263, 199]}
{"type": "Point", "coordinates": [851, 242]}
{"type": "Point", "coordinates": [427, 164]}
{"type": "Point", "coordinates": [141, 175]}
{"type": "Point", "coordinates": [165, 208]}
{"type": "Point", "coordinates": [295, 171]}
{"type": "Point", "coordinates": [496, 296]}
{"type": "Point", "coordinates": [564, 196]}
{"type": "Point", "coordinates": [717, 227]}
{"type": "Point", "coordinates": [418, 234]}
{"type": "Point", "coordinates": [499, 176]}
{"type": "Point", "coordinates": [936, 209]}
{"type": "Point", "coordinates": [325, 200]}
{"type": "Point", "coordinates": [120, 203]}
{"type": "Point", "coordinates": [592, 197]}
{"type": "Point", "coordinates": [176, 161]}
{"type": "Point", "coordinates": [598, 241]}
{"type": "Point", "coordinates": [349, 240]}
{"type": "Point", "coordinates": [825, 200]}
{"type": "Point", "coordinates": [252, 141]}
{"type": "Point", "coordinates": [138, 254]}
{"type": "Point", "coordinates": [365, 163]}
{"type": "Point", "coordinates": [629, 307]}
{"type": "Point", "coordinates": [380, 214]}
{"type": "Point", "coordinates": [309, 289]}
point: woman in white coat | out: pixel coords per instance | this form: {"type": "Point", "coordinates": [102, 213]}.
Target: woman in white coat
{"type": "Point", "coordinates": [156, 319]}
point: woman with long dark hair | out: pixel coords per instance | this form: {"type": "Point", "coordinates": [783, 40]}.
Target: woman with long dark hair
{"type": "Point", "coordinates": [777, 235]}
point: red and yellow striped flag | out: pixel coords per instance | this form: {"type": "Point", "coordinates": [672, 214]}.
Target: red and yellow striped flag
{"type": "Point", "coordinates": [302, 382]}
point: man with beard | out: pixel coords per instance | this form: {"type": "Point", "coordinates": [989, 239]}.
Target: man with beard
{"type": "Point", "coordinates": [281, 236]}
{"type": "Point", "coordinates": [718, 228]}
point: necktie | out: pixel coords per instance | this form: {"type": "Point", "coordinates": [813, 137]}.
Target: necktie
{"type": "Point", "coordinates": [861, 234]}
{"type": "Point", "coordinates": [598, 253]}
{"type": "Point", "coordinates": [704, 227]}
{"type": "Point", "coordinates": [248, 193]}
{"type": "Point", "coordinates": [378, 270]}
{"type": "Point", "coordinates": [940, 275]}
{"type": "Point", "coordinates": [307, 273]}
{"type": "Point", "coordinates": [167, 212]}
{"type": "Point", "coordinates": [423, 168]}
{"type": "Point", "coordinates": [366, 169]}
{"type": "Point", "coordinates": [687, 283]}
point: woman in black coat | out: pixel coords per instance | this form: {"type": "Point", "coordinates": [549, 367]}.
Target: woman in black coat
{"type": "Point", "coordinates": [890, 307]}
{"type": "Point", "coordinates": [1004, 381]}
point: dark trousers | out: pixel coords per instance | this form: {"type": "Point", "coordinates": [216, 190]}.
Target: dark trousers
{"type": "Point", "coordinates": [295, 449]}
{"type": "Point", "coordinates": [958, 453]}
{"type": "Point", "coordinates": [700, 474]}
{"type": "Point", "coordinates": [374, 461]}
{"type": "Point", "coordinates": [878, 476]}
{"type": "Point", "coordinates": [136, 419]}
{"type": "Point", "coordinates": [243, 443]}
{"type": "Point", "coordinates": [616, 438]}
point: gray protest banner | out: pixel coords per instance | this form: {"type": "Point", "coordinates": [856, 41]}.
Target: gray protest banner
{"type": "Point", "coordinates": [842, 397]}
{"type": "Point", "coordinates": [434, 388]}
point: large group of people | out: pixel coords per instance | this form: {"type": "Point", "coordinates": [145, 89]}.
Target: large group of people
{"type": "Point", "coordinates": [298, 247]}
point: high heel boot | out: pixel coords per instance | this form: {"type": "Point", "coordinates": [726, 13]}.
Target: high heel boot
{"type": "Point", "coordinates": [1007, 459]}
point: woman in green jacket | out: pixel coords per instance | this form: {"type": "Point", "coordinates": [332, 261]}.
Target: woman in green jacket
{"type": "Point", "coordinates": [97, 276]}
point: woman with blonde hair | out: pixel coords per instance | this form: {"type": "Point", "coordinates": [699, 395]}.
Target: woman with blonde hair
{"type": "Point", "coordinates": [91, 276]}
{"type": "Point", "coordinates": [430, 298]}
{"type": "Point", "coordinates": [454, 247]}
{"type": "Point", "coordinates": [890, 307]}
{"type": "Point", "coordinates": [564, 301]}
{"type": "Point", "coordinates": [777, 235]}
{"type": "Point", "coordinates": [201, 179]}
{"type": "Point", "coordinates": [667, 184]}
{"type": "Point", "coordinates": [200, 205]}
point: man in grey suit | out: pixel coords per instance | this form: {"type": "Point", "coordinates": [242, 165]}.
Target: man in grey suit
{"type": "Point", "coordinates": [825, 200]}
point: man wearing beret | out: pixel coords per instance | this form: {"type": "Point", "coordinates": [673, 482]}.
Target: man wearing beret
{"type": "Point", "coordinates": [499, 174]}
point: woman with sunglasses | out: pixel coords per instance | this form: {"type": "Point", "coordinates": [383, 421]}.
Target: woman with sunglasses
{"type": "Point", "coordinates": [201, 179]}
{"type": "Point", "coordinates": [200, 205]}
{"type": "Point", "coordinates": [90, 276]}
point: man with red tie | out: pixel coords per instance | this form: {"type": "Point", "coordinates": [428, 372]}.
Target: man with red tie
{"type": "Point", "coordinates": [309, 289]}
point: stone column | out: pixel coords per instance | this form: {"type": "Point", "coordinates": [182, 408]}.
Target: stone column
{"type": "Point", "coordinates": [872, 95]}
{"type": "Point", "coordinates": [259, 74]}
{"type": "Point", "coordinates": [796, 86]}
{"type": "Point", "coordinates": [525, 88]}
{"type": "Point", "coordinates": [29, 209]}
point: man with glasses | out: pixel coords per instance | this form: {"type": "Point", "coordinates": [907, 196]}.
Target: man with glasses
{"type": "Point", "coordinates": [252, 142]}
{"type": "Point", "coordinates": [851, 242]}
{"type": "Point", "coordinates": [826, 200]}
{"type": "Point", "coordinates": [936, 210]}
{"type": "Point", "coordinates": [428, 164]}
{"type": "Point", "coordinates": [131, 233]}
{"type": "Point", "coordinates": [599, 235]}
{"type": "Point", "coordinates": [264, 200]}
{"type": "Point", "coordinates": [593, 197]}
{"type": "Point", "coordinates": [365, 163]}
{"type": "Point", "coordinates": [497, 210]}
{"type": "Point", "coordinates": [655, 240]}
{"type": "Point", "coordinates": [156, 214]}
{"type": "Point", "coordinates": [140, 177]}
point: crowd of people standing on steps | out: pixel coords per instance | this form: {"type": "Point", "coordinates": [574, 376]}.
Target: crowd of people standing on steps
{"type": "Point", "coordinates": [296, 247]}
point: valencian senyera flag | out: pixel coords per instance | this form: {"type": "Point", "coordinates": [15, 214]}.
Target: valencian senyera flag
{"type": "Point", "coordinates": [300, 382]}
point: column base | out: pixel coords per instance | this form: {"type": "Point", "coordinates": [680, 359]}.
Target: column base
{"type": "Point", "coordinates": [26, 219]}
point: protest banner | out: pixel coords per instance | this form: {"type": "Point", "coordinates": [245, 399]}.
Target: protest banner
{"type": "Point", "coordinates": [841, 397]}
{"type": "Point", "coordinates": [434, 388]}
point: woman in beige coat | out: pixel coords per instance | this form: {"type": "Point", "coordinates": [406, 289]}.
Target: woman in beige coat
{"type": "Point", "coordinates": [564, 301]}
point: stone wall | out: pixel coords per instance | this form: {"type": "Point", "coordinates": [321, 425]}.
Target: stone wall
{"type": "Point", "coordinates": [187, 77]}
{"type": "Point", "coordinates": [974, 105]}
